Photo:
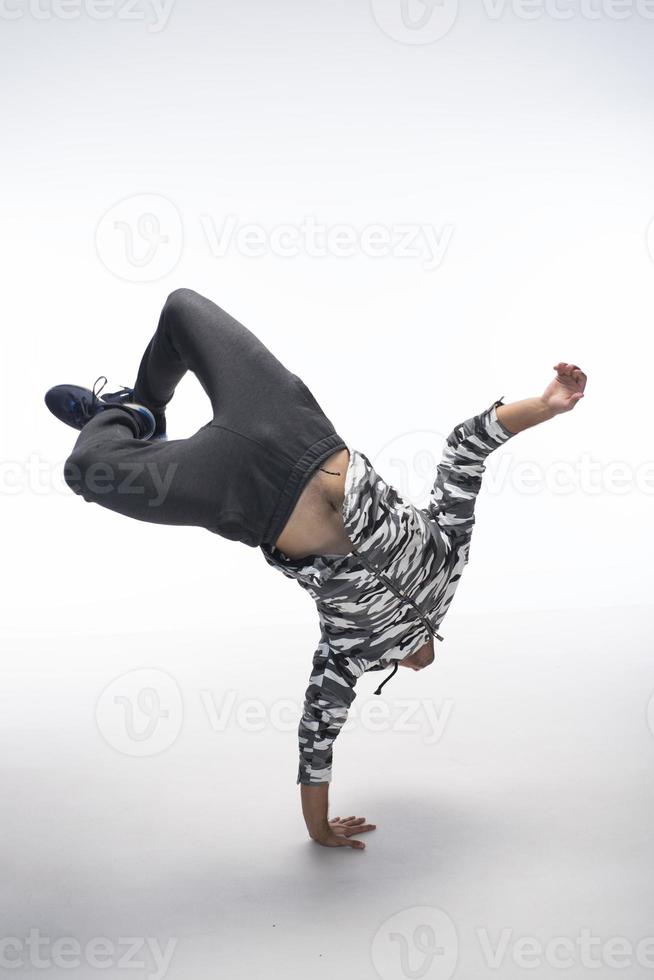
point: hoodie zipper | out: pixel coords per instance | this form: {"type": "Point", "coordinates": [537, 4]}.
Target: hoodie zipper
{"type": "Point", "coordinates": [396, 592]}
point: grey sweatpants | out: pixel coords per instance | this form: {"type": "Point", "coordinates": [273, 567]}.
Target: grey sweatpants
{"type": "Point", "coordinates": [242, 472]}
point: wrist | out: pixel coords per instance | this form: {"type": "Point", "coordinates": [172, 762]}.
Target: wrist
{"type": "Point", "coordinates": [315, 808]}
{"type": "Point", "coordinates": [320, 834]}
{"type": "Point", "coordinates": [520, 415]}
{"type": "Point", "coordinates": [544, 408]}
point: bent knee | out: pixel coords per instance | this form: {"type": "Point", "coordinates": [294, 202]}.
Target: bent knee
{"type": "Point", "coordinates": [88, 474]}
{"type": "Point", "coordinates": [75, 469]}
{"type": "Point", "coordinates": [179, 300]}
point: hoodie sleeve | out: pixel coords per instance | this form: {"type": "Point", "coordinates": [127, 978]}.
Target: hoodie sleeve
{"type": "Point", "coordinates": [459, 476]}
{"type": "Point", "coordinates": [328, 698]}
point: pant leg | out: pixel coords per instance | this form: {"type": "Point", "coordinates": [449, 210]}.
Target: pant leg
{"type": "Point", "coordinates": [197, 335]}
{"type": "Point", "coordinates": [241, 473]}
{"type": "Point", "coordinates": [201, 481]}
{"type": "Point", "coordinates": [178, 482]}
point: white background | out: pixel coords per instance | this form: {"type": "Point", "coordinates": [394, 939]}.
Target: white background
{"type": "Point", "coordinates": [527, 142]}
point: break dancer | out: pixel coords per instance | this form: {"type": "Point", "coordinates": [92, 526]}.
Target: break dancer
{"type": "Point", "coordinates": [270, 471]}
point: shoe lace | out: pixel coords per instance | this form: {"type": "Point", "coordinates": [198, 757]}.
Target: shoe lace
{"type": "Point", "coordinates": [96, 394]}
{"type": "Point", "coordinates": [123, 390]}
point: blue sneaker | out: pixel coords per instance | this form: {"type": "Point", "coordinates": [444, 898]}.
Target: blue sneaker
{"type": "Point", "coordinates": [125, 395]}
{"type": "Point", "coordinates": [76, 406]}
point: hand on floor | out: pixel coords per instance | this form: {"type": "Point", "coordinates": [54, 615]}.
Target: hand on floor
{"type": "Point", "coordinates": [341, 831]}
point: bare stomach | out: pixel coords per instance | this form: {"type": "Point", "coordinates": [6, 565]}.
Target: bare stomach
{"type": "Point", "coordinates": [315, 526]}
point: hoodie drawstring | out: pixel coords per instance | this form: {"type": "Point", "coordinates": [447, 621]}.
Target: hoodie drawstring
{"type": "Point", "coordinates": [387, 679]}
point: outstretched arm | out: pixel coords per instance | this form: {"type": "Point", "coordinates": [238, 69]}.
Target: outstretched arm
{"type": "Point", "coordinates": [561, 395]}
{"type": "Point", "coordinates": [460, 471]}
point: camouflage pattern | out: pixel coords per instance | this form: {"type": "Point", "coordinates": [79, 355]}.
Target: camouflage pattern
{"type": "Point", "coordinates": [422, 551]}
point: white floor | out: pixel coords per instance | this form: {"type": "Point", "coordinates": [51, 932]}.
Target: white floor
{"type": "Point", "coordinates": [517, 810]}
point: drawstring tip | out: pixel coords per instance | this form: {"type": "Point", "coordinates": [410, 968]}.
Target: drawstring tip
{"type": "Point", "coordinates": [386, 679]}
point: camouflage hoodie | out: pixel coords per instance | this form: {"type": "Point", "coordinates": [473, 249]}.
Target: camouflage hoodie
{"type": "Point", "coordinates": [385, 599]}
